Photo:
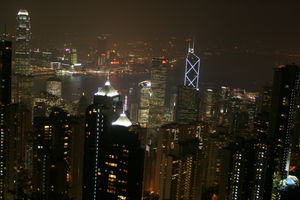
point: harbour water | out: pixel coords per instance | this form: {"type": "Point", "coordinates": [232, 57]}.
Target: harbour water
{"type": "Point", "coordinates": [74, 85]}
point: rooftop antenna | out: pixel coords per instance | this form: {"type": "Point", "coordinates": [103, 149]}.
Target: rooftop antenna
{"type": "Point", "coordinates": [194, 42]}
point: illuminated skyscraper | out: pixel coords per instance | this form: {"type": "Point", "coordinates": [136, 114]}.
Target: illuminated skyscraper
{"type": "Point", "coordinates": [53, 86]}
{"type": "Point", "coordinates": [192, 69]}
{"type": "Point", "coordinates": [158, 78]}
{"type": "Point", "coordinates": [74, 59]}
{"type": "Point", "coordinates": [187, 106]}
{"type": "Point", "coordinates": [22, 52]}
{"type": "Point", "coordinates": [22, 78]}
{"type": "Point", "coordinates": [102, 50]}
{"type": "Point", "coordinates": [144, 103]}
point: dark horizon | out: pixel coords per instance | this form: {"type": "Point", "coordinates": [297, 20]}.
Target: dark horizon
{"type": "Point", "coordinates": [250, 37]}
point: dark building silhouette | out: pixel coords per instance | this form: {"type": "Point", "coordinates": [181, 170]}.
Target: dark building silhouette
{"type": "Point", "coordinates": [286, 86]}
{"type": "Point", "coordinates": [187, 106]}
{"type": "Point", "coordinates": [51, 155]}
{"type": "Point", "coordinates": [112, 157]}
{"type": "Point", "coordinates": [5, 71]}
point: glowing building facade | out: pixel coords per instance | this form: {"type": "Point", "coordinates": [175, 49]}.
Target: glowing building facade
{"type": "Point", "coordinates": [22, 52]}
{"type": "Point", "coordinates": [158, 76]}
{"type": "Point", "coordinates": [54, 86]}
{"type": "Point", "coordinates": [192, 69]}
{"type": "Point", "coordinates": [144, 103]}
{"type": "Point", "coordinates": [187, 105]}
{"type": "Point", "coordinates": [22, 80]}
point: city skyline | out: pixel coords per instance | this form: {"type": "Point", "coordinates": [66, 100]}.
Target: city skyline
{"type": "Point", "coordinates": [127, 115]}
{"type": "Point", "coordinates": [236, 38]}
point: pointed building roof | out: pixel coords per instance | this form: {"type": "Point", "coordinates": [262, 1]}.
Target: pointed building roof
{"type": "Point", "coordinates": [107, 90]}
{"type": "Point", "coordinates": [122, 121]}
{"type": "Point", "coordinates": [23, 12]}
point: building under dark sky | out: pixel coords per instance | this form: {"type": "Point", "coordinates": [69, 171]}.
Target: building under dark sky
{"type": "Point", "coordinates": [255, 35]}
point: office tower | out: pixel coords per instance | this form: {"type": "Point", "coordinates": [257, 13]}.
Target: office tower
{"type": "Point", "coordinates": [144, 102]}
{"type": "Point", "coordinates": [113, 158]}
{"type": "Point", "coordinates": [74, 56]}
{"type": "Point", "coordinates": [178, 156]}
{"type": "Point", "coordinates": [82, 105]}
{"type": "Point", "coordinates": [192, 69]}
{"type": "Point", "coordinates": [158, 76]}
{"type": "Point", "coordinates": [157, 117]}
{"type": "Point", "coordinates": [207, 102]}
{"type": "Point", "coordinates": [22, 53]}
{"type": "Point", "coordinates": [282, 121]}
{"type": "Point", "coordinates": [51, 156]}
{"type": "Point", "coordinates": [99, 117]}
{"type": "Point", "coordinates": [5, 72]}
{"type": "Point", "coordinates": [22, 78]}
{"type": "Point", "coordinates": [221, 105]}
{"type": "Point", "coordinates": [54, 86]}
{"type": "Point", "coordinates": [187, 106]}
{"type": "Point", "coordinates": [102, 50]}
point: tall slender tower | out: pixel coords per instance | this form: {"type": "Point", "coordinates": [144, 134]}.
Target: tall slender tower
{"type": "Point", "coordinates": [286, 91]}
{"type": "Point", "coordinates": [5, 78]}
{"type": "Point", "coordinates": [192, 69]}
{"type": "Point", "coordinates": [22, 72]}
{"type": "Point", "coordinates": [158, 77]}
{"type": "Point", "coordinates": [22, 43]}
{"type": "Point", "coordinates": [187, 106]}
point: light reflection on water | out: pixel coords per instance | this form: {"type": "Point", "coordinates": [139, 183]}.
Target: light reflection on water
{"type": "Point", "coordinates": [74, 86]}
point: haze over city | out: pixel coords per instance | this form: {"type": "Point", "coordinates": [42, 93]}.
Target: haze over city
{"type": "Point", "coordinates": [256, 35]}
{"type": "Point", "coordinates": [149, 100]}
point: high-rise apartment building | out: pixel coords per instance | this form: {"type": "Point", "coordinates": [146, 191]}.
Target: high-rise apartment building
{"type": "Point", "coordinates": [286, 88]}
{"type": "Point", "coordinates": [178, 161]}
{"type": "Point", "coordinates": [51, 156]}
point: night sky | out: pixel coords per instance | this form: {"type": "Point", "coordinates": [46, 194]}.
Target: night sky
{"type": "Point", "coordinates": [254, 35]}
